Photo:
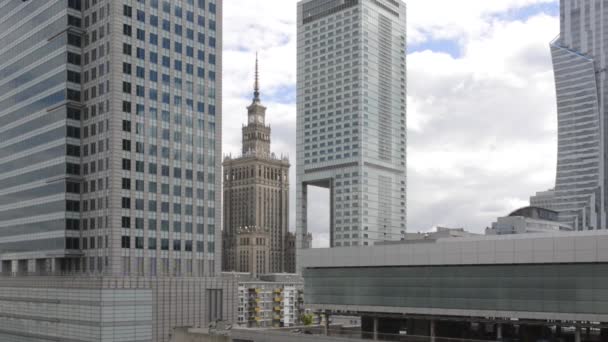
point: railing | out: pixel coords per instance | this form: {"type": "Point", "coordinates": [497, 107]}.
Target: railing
{"type": "Point", "coordinates": [357, 334]}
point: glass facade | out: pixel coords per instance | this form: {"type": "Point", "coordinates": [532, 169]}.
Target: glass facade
{"type": "Point", "coordinates": [551, 288]}
{"type": "Point", "coordinates": [39, 130]}
{"type": "Point", "coordinates": [580, 190]}
{"type": "Point", "coordinates": [110, 134]}
{"type": "Point", "coordinates": [351, 122]}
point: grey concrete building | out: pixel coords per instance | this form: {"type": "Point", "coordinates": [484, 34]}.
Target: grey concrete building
{"type": "Point", "coordinates": [351, 125]}
{"type": "Point", "coordinates": [579, 61]}
{"type": "Point", "coordinates": [110, 309]}
{"type": "Point", "coordinates": [527, 287]}
{"type": "Point", "coordinates": [110, 137]}
{"type": "Point", "coordinates": [256, 192]}
{"type": "Point", "coordinates": [529, 220]}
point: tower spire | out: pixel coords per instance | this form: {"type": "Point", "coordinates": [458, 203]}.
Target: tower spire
{"type": "Point", "coordinates": [256, 87]}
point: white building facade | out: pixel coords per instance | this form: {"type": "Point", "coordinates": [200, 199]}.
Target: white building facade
{"type": "Point", "coordinates": [273, 301]}
{"type": "Point", "coordinates": [351, 125]}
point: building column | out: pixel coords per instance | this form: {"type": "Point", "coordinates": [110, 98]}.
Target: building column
{"type": "Point", "coordinates": [499, 332]}
{"type": "Point", "coordinates": [375, 328]}
{"type": "Point", "coordinates": [577, 334]}
{"type": "Point", "coordinates": [326, 325]}
{"type": "Point", "coordinates": [31, 266]}
{"type": "Point", "coordinates": [432, 330]}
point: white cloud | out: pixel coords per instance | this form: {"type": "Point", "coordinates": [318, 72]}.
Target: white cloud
{"type": "Point", "coordinates": [482, 127]}
{"type": "Point", "coordinates": [461, 20]}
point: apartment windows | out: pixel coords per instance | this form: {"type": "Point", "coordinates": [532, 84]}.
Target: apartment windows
{"type": "Point", "coordinates": [126, 203]}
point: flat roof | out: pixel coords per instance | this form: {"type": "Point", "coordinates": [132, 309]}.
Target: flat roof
{"type": "Point", "coordinates": [538, 248]}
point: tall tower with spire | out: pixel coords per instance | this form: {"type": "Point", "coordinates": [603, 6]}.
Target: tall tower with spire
{"type": "Point", "coordinates": [256, 135]}
{"type": "Point", "coordinates": [256, 200]}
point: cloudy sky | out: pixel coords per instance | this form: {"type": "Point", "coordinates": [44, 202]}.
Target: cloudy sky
{"type": "Point", "coordinates": [481, 102]}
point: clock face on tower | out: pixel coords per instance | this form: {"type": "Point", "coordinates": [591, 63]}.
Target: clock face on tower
{"type": "Point", "coordinates": [259, 118]}
{"type": "Point", "coordinates": [251, 119]}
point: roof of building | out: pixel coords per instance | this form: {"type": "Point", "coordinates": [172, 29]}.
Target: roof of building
{"type": "Point", "coordinates": [536, 213]}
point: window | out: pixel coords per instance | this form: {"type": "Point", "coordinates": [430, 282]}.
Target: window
{"type": "Point", "coordinates": [73, 114]}
{"type": "Point", "coordinates": [126, 87]}
{"type": "Point", "coordinates": [126, 145]}
{"type": "Point", "coordinates": [72, 169]}
{"type": "Point", "coordinates": [72, 224]}
{"type": "Point", "coordinates": [141, 72]}
{"type": "Point", "coordinates": [126, 242]}
{"type": "Point", "coordinates": [126, 164]}
{"type": "Point", "coordinates": [75, 4]}
{"type": "Point", "coordinates": [151, 243]}
{"type": "Point", "coordinates": [139, 242]}
{"type": "Point", "coordinates": [127, 30]}
{"type": "Point", "coordinates": [73, 132]}
{"type": "Point", "coordinates": [126, 125]}
{"type": "Point", "coordinates": [126, 184]}
{"type": "Point", "coordinates": [127, 11]}
{"type": "Point", "coordinates": [126, 203]}
{"type": "Point", "coordinates": [73, 95]}
{"type": "Point", "coordinates": [73, 150]}
{"type": "Point", "coordinates": [72, 243]}
{"type": "Point", "coordinates": [153, 39]}
{"type": "Point", "coordinates": [74, 40]}
{"type": "Point", "coordinates": [74, 21]}
{"type": "Point", "coordinates": [72, 206]}
{"type": "Point", "coordinates": [126, 222]}
{"type": "Point", "coordinates": [126, 68]}
{"type": "Point", "coordinates": [126, 49]}
{"type": "Point", "coordinates": [73, 188]}
{"type": "Point", "coordinates": [141, 16]}
{"type": "Point", "coordinates": [126, 107]}
{"type": "Point", "coordinates": [73, 76]}
{"type": "Point", "coordinates": [141, 54]}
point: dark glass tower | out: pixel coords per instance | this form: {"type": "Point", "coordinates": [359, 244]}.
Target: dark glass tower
{"type": "Point", "coordinates": [40, 131]}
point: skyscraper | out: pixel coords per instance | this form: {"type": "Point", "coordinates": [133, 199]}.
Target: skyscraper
{"type": "Point", "coordinates": [579, 60]}
{"type": "Point", "coordinates": [111, 128]}
{"type": "Point", "coordinates": [351, 125]}
{"type": "Point", "coordinates": [110, 137]}
{"type": "Point", "coordinates": [256, 199]}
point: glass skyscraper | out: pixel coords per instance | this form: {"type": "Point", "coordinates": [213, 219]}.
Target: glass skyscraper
{"type": "Point", "coordinates": [579, 60]}
{"type": "Point", "coordinates": [110, 136]}
{"type": "Point", "coordinates": [351, 125]}
{"type": "Point", "coordinates": [110, 170]}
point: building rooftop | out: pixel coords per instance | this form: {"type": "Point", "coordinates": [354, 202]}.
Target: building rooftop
{"type": "Point", "coordinates": [562, 247]}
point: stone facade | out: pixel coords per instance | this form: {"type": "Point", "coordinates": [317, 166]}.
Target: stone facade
{"type": "Point", "coordinates": [253, 250]}
{"type": "Point", "coordinates": [256, 192]}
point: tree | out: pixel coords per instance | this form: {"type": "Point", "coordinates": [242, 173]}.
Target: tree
{"type": "Point", "coordinates": [307, 319]}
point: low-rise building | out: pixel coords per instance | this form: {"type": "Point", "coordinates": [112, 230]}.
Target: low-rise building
{"type": "Point", "coordinates": [520, 287]}
{"type": "Point", "coordinates": [269, 301]}
{"type": "Point", "coordinates": [528, 220]}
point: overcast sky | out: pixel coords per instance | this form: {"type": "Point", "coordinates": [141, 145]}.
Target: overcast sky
{"type": "Point", "coordinates": [481, 102]}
